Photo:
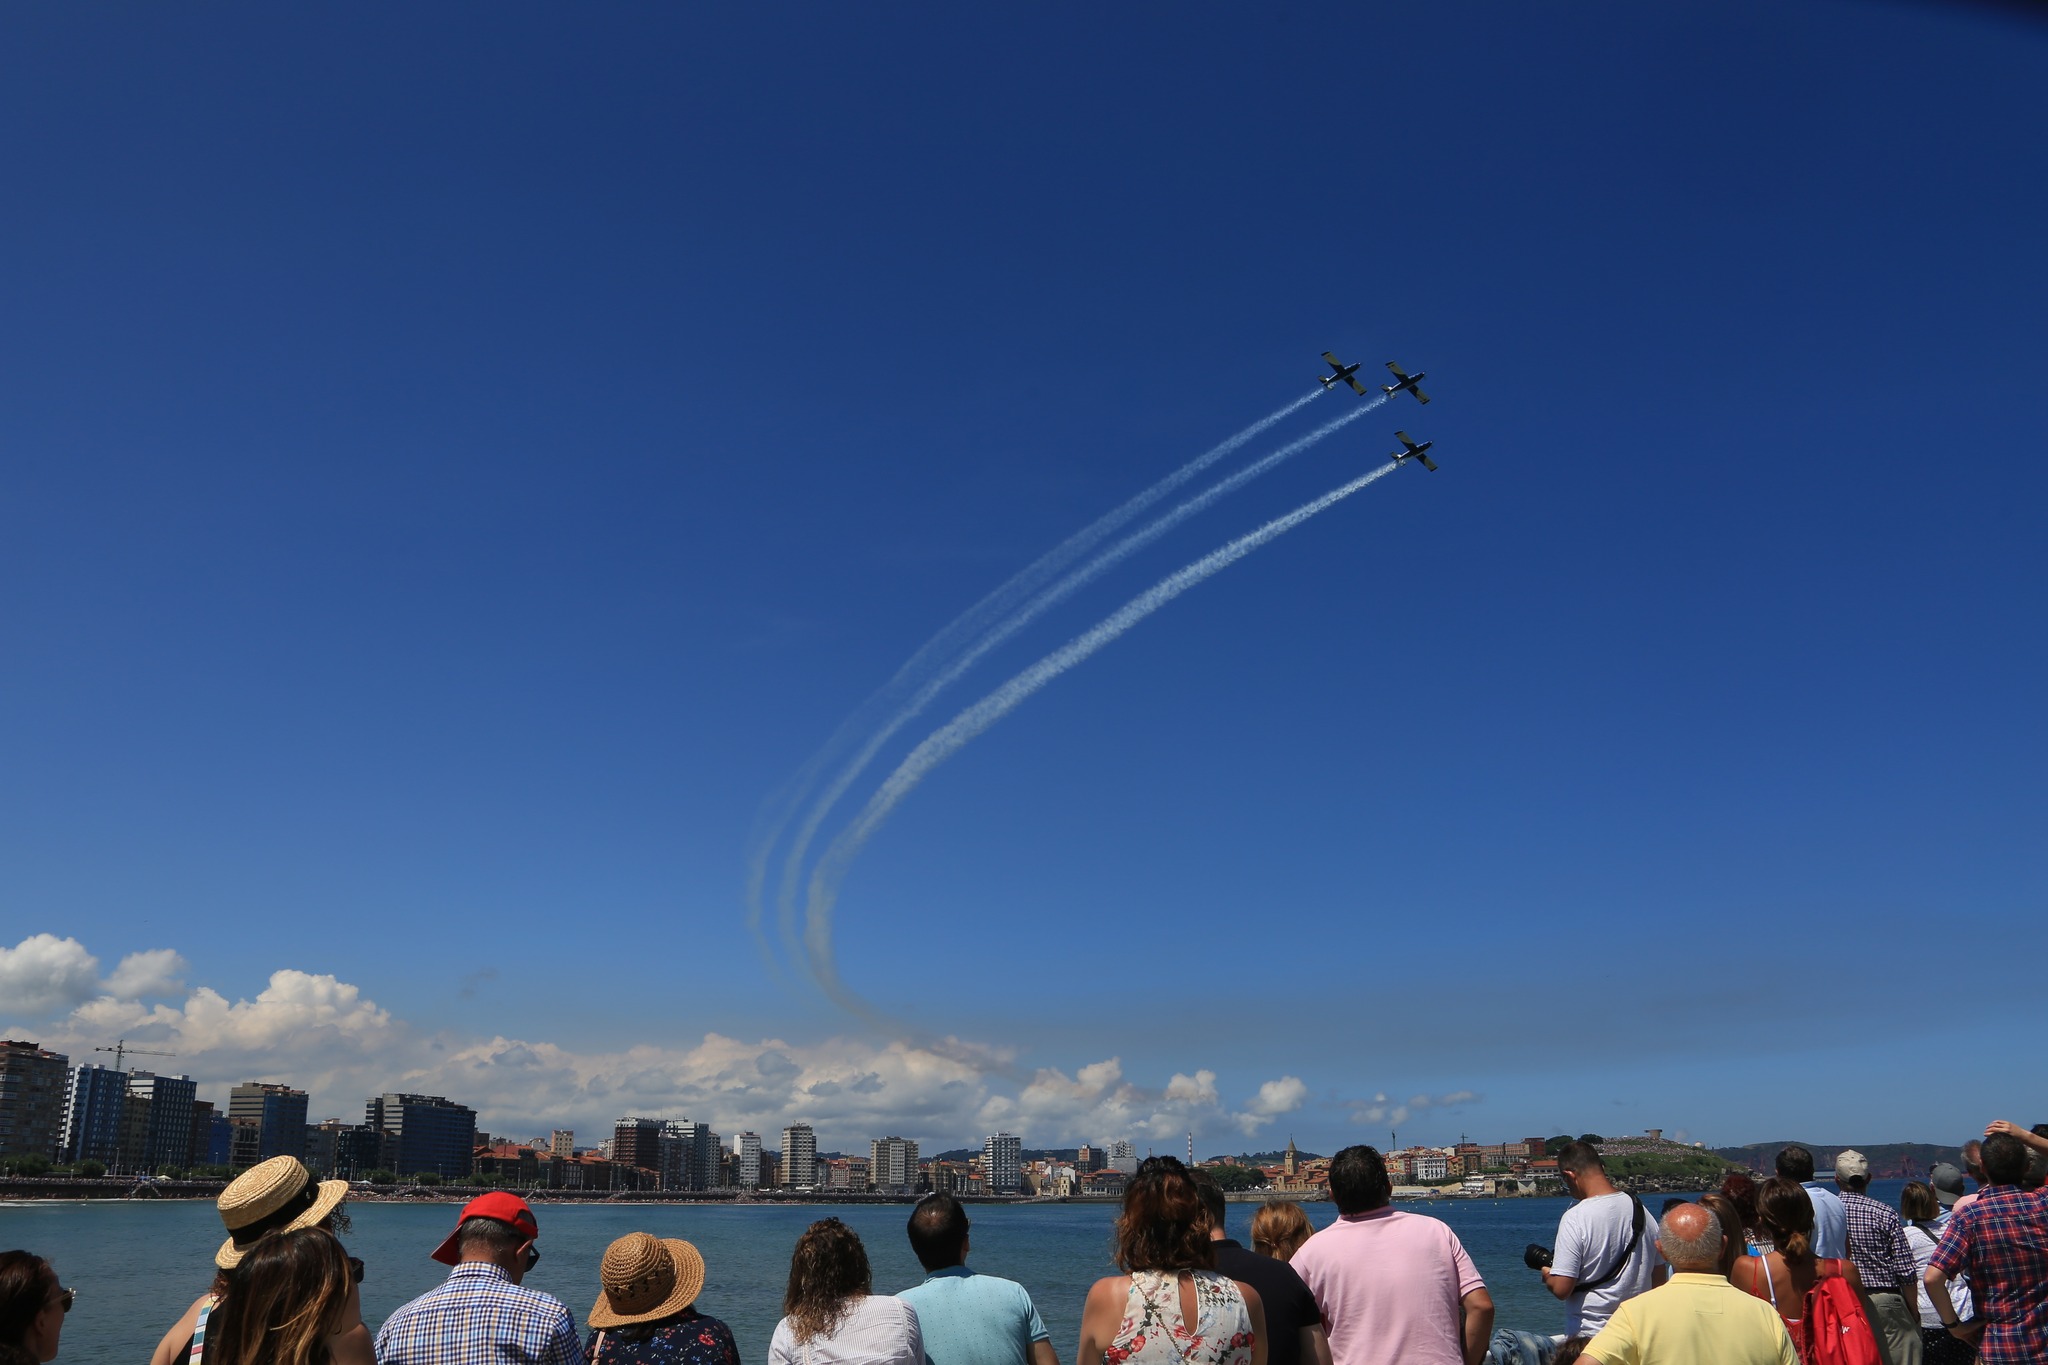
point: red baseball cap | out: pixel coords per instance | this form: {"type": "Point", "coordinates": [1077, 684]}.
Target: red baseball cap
{"type": "Point", "coordinates": [505, 1208]}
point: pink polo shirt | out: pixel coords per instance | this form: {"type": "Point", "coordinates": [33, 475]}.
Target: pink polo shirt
{"type": "Point", "coordinates": [1390, 1287]}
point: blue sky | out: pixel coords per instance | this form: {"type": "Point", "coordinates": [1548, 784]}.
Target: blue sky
{"type": "Point", "coordinates": [457, 467]}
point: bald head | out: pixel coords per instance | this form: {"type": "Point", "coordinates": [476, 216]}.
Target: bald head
{"type": "Point", "coordinates": [1690, 1238]}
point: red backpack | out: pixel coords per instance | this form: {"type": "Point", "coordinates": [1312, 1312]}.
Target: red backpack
{"type": "Point", "coordinates": [1835, 1328]}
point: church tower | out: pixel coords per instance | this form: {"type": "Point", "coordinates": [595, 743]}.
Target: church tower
{"type": "Point", "coordinates": [1287, 1162]}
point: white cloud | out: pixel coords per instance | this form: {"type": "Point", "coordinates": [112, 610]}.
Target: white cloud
{"type": "Point", "coordinates": [326, 1036]}
{"type": "Point", "coordinates": [1273, 1099]}
{"type": "Point", "coordinates": [155, 972]}
{"type": "Point", "coordinates": [1283, 1096]}
{"type": "Point", "coordinates": [1377, 1110]}
{"type": "Point", "coordinates": [45, 975]}
{"type": "Point", "coordinates": [1199, 1088]}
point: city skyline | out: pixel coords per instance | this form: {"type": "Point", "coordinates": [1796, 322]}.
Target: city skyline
{"type": "Point", "coordinates": [463, 473]}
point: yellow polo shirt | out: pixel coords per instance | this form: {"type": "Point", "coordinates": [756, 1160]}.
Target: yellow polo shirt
{"type": "Point", "coordinates": [1694, 1320]}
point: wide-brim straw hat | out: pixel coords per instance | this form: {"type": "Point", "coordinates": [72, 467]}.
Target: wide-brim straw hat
{"type": "Point", "coordinates": [646, 1278]}
{"type": "Point", "coordinates": [272, 1195]}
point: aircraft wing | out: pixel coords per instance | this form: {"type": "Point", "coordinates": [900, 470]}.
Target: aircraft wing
{"type": "Point", "coordinates": [1399, 373]}
{"type": "Point", "coordinates": [1419, 394]}
{"type": "Point", "coordinates": [1356, 387]}
{"type": "Point", "coordinates": [1427, 463]}
{"type": "Point", "coordinates": [1335, 363]}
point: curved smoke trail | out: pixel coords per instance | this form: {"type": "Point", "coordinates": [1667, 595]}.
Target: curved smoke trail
{"type": "Point", "coordinates": [963, 628]}
{"type": "Point", "coordinates": [951, 737]}
{"type": "Point", "coordinates": [800, 843]}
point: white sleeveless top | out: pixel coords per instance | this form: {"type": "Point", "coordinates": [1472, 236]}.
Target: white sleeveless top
{"type": "Point", "coordinates": [1152, 1332]}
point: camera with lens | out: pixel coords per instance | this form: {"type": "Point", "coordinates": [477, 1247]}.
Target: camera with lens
{"type": "Point", "coordinates": [1536, 1256]}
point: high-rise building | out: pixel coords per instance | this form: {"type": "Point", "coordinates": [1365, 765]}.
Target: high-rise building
{"type": "Point", "coordinates": [279, 1113]}
{"type": "Point", "coordinates": [198, 1139]}
{"type": "Point", "coordinates": [245, 1143]}
{"type": "Point", "coordinates": [637, 1142]}
{"type": "Point", "coordinates": [94, 1109]}
{"type": "Point", "coordinates": [1002, 1156]}
{"type": "Point", "coordinates": [710, 1159]}
{"type": "Point", "coordinates": [799, 1156]}
{"type": "Point", "coordinates": [746, 1150]}
{"type": "Point", "coordinates": [339, 1150]}
{"type": "Point", "coordinates": [31, 1099]}
{"type": "Point", "coordinates": [1088, 1159]}
{"type": "Point", "coordinates": [219, 1138]}
{"type": "Point", "coordinates": [423, 1133]}
{"type": "Point", "coordinates": [689, 1155]}
{"type": "Point", "coordinates": [134, 1134]}
{"type": "Point", "coordinates": [562, 1143]}
{"type": "Point", "coordinates": [166, 1121]}
{"type": "Point", "coordinates": [1123, 1157]}
{"type": "Point", "coordinates": [892, 1165]}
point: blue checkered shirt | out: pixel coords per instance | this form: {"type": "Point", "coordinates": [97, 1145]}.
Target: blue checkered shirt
{"type": "Point", "coordinates": [479, 1317]}
{"type": "Point", "coordinates": [1878, 1246]}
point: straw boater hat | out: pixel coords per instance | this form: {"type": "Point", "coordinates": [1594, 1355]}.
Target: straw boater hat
{"type": "Point", "coordinates": [278, 1193]}
{"type": "Point", "coordinates": [646, 1279]}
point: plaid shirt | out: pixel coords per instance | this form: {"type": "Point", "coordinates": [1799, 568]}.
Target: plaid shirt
{"type": "Point", "coordinates": [479, 1317]}
{"type": "Point", "coordinates": [1877, 1244]}
{"type": "Point", "coordinates": [2001, 1243]}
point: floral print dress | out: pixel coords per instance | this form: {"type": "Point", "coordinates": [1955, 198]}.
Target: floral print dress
{"type": "Point", "coordinates": [692, 1339]}
{"type": "Point", "coordinates": [1152, 1332]}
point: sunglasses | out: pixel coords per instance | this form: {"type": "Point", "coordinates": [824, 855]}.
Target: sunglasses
{"type": "Point", "coordinates": [64, 1298]}
{"type": "Point", "coordinates": [355, 1268]}
{"type": "Point", "coordinates": [532, 1257]}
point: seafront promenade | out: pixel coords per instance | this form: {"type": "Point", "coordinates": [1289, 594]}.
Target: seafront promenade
{"type": "Point", "coordinates": [62, 1188]}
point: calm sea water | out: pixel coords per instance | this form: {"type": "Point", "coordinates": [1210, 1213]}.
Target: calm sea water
{"type": "Point", "coordinates": [137, 1265]}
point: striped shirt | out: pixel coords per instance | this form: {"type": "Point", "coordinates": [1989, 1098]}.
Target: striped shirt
{"type": "Point", "coordinates": [479, 1317]}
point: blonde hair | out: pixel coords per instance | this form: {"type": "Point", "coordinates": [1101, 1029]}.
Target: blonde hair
{"type": "Point", "coordinates": [1279, 1228]}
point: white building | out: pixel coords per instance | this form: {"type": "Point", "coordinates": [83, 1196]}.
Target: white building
{"type": "Point", "coordinates": [892, 1165]}
{"type": "Point", "coordinates": [1002, 1157]}
{"type": "Point", "coordinates": [746, 1151]}
{"type": "Point", "coordinates": [799, 1156]}
{"type": "Point", "coordinates": [1122, 1157]}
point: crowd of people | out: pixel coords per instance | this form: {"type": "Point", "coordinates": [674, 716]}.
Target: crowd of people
{"type": "Point", "coordinates": [1783, 1272]}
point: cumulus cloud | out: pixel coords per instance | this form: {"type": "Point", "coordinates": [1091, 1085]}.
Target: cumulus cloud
{"type": "Point", "coordinates": [1283, 1096]}
{"type": "Point", "coordinates": [45, 975]}
{"type": "Point", "coordinates": [156, 972]}
{"type": "Point", "coordinates": [1378, 1110]}
{"type": "Point", "coordinates": [328, 1037]}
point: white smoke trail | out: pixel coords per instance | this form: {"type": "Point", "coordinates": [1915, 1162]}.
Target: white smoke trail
{"type": "Point", "coordinates": [962, 629]}
{"type": "Point", "coordinates": [800, 843]}
{"type": "Point", "coordinates": [951, 737]}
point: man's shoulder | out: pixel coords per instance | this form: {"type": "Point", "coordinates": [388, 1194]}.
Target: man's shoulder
{"type": "Point", "coordinates": [1240, 1263]}
{"type": "Point", "coordinates": [458, 1291]}
{"type": "Point", "coordinates": [973, 1282]}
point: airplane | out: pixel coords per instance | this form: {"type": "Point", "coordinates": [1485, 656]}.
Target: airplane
{"type": "Point", "coordinates": [1414, 452]}
{"type": "Point", "coordinates": [1406, 381]}
{"type": "Point", "coordinates": [1347, 373]}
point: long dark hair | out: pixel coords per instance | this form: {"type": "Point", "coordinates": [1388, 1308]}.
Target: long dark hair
{"type": "Point", "coordinates": [1163, 1226]}
{"type": "Point", "coordinates": [284, 1300]}
{"type": "Point", "coordinates": [1785, 1210]}
{"type": "Point", "coordinates": [827, 1272]}
{"type": "Point", "coordinates": [26, 1284]}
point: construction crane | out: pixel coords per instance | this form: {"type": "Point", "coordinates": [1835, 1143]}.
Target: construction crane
{"type": "Point", "coordinates": [121, 1049]}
